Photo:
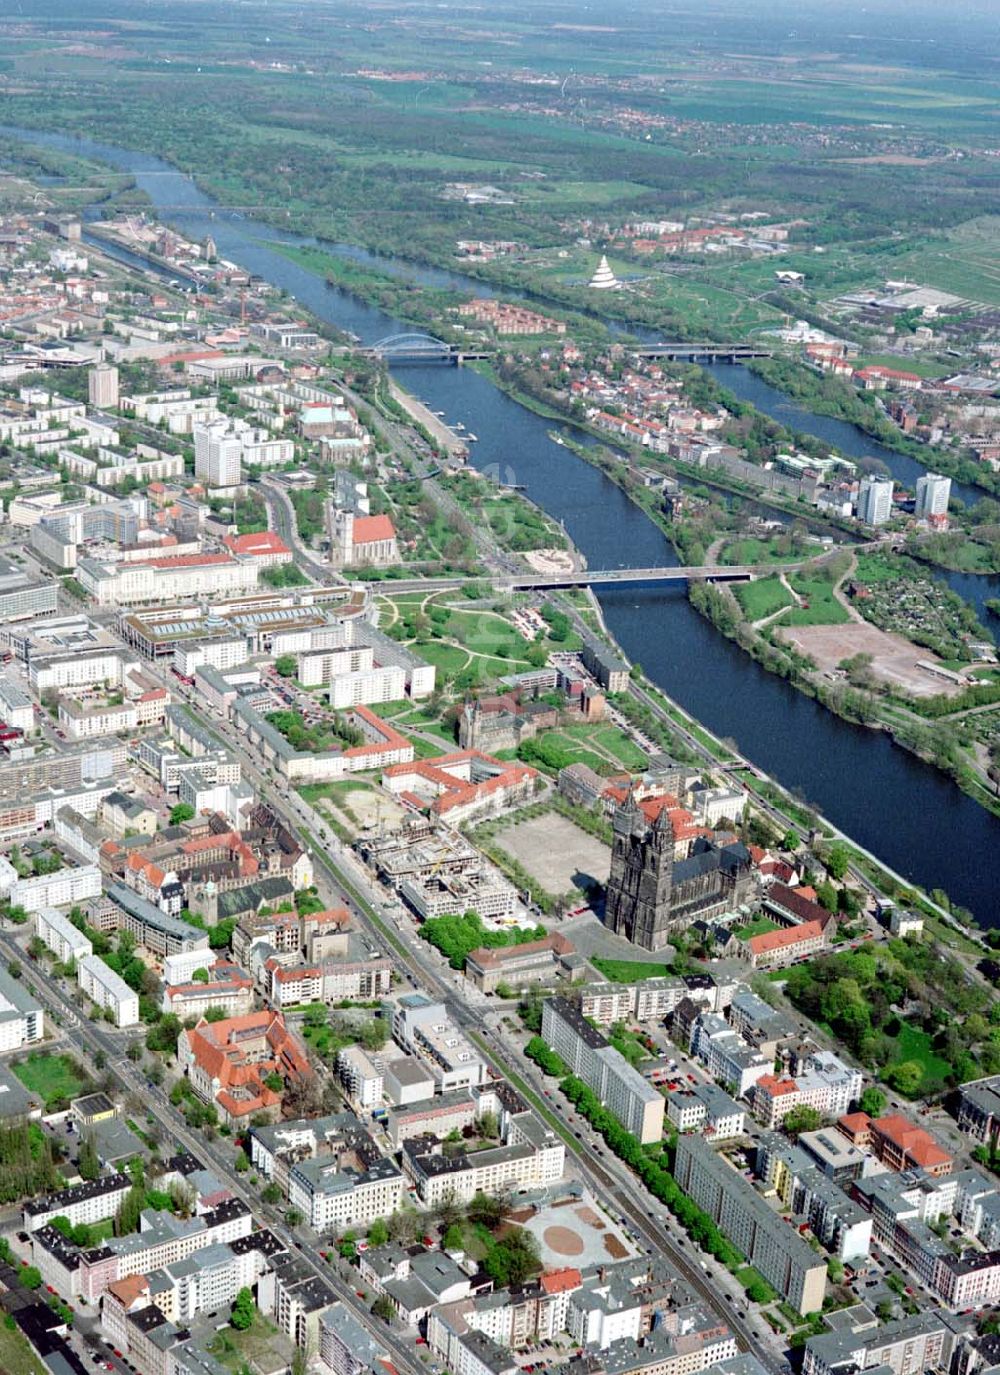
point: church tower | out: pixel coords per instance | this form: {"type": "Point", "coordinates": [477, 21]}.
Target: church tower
{"type": "Point", "coordinates": [641, 880]}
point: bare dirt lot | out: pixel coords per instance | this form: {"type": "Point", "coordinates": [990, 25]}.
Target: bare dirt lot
{"type": "Point", "coordinates": [894, 659]}
{"type": "Point", "coordinates": [563, 1241]}
{"type": "Point", "coordinates": [557, 854]}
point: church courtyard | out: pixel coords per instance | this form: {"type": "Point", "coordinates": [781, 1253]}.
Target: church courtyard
{"type": "Point", "coordinates": [557, 854]}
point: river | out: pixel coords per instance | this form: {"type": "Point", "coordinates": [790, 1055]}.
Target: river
{"type": "Point", "coordinates": [890, 802]}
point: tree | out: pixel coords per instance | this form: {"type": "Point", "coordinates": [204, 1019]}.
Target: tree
{"type": "Point", "coordinates": [486, 1210]}
{"type": "Point", "coordinates": [802, 1119]}
{"type": "Point", "coordinates": [274, 1082]}
{"type": "Point", "coordinates": [382, 1308]}
{"type": "Point", "coordinates": [88, 1164]}
{"type": "Point", "coordinates": [242, 1162]}
{"type": "Point", "coordinates": [294, 1217]}
{"type": "Point", "coordinates": [200, 976]}
{"type": "Point", "coordinates": [378, 1232]}
{"type": "Point", "coordinates": [270, 1193]}
{"type": "Point", "coordinates": [14, 969]}
{"type": "Point", "coordinates": [243, 1311]}
{"type": "Point", "coordinates": [182, 812]}
{"type": "Point", "coordinates": [906, 1077]}
{"type": "Point", "coordinates": [487, 1126]}
{"type": "Point", "coordinates": [31, 1277]}
{"type": "Point", "coordinates": [285, 665]}
{"type": "Point", "coordinates": [454, 1237]}
{"type": "Point", "coordinates": [513, 1260]}
{"type": "Point", "coordinates": [873, 1101]}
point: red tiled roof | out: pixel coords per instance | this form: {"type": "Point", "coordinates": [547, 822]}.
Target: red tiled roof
{"type": "Point", "coordinates": [558, 1281]}
{"type": "Point", "coordinates": [559, 945]}
{"type": "Point", "coordinates": [189, 561]}
{"type": "Point", "coordinates": [370, 529]}
{"type": "Point", "coordinates": [127, 1290]}
{"type": "Point", "coordinates": [780, 940]}
{"type": "Point", "coordinates": [264, 542]}
{"type": "Point", "coordinates": [854, 1123]}
{"type": "Point", "coordinates": [775, 1087]}
{"type": "Point", "coordinates": [913, 1141]}
{"type": "Point", "coordinates": [793, 901]}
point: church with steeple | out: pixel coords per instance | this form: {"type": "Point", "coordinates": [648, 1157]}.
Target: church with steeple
{"type": "Point", "coordinates": [651, 895]}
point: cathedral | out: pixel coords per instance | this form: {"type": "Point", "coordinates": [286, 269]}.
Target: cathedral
{"type": "Point", "coordinates": [651, 896]}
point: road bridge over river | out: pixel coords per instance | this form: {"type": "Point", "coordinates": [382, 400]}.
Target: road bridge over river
{"type": "Point", "coordinates": [588, 577]}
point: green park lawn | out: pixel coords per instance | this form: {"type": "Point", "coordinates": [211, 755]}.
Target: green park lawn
{"type": "Point", "coordinates": [760, 926]}
{"type": "Point", "coordinates": [913, 1043]}
{"type": "Point", "coordinates": [16, 1355]}
{"type": "Point", "coordinates": [629, 971]}
{"type": "Point", "coordinates": [761, 598]}
{"type": "Point", "coordinates": [823, 608]}
{"type": "Point", "coordinates": [51, 1077]}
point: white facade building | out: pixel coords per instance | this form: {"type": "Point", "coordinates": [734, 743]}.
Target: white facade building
{"type": "Point", "coordinates": [60, 936]}
{"type": "Point", "coordinates": [933, 495]}
{"type": "Point", "coordinates": [875, 500]}
{"type": "Point", "coordinates": [108, 989]}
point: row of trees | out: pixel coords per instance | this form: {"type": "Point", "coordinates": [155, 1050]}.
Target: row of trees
{"type": "Point", "coordinates": [652, 1168]}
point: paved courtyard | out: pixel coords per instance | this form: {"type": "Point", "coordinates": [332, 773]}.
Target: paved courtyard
{"type": "Point", "coordinates": [557, 854]}
{"type": "Point", "coordinates": [577, 1232]}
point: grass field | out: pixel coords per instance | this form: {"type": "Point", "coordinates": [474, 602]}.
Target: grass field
{"type": "Point", "coordinates": [760, 926]}
{"type": "Point", "coordinates": [261, 1347]}
{"type": "Point", "coordinates": [874, 568]}
{"type": "Point", "coordinates": [16, 1355]}
{"type": "Point", "coordinates": [914, 1044]}
{"type": "Point", "coordinates": [823, 608]}
{"type": "Point", "coordinates": [761, 598]}
{"type": "Point", "coordinates": [52, 1077]}
{"type": "Point", "coordinates": [629, 971]}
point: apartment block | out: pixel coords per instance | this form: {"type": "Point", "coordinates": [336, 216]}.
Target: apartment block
{"type": "Point", "coordinates": [22, 1020]}
{"type": "Point", "coordinates": [787, 1262]}
{"type": "Point", "coordinates": [92, 1201]}
{"type": "Point", "coordinates": [636, 1104]}
{"type": "Point", "coordinates": [59, 935]}
{"type": "Point", "coordinates": [726, 1056]}
{"type": "Point", "coordinates": [107, 989]}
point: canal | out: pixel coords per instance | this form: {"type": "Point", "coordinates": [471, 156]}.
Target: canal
{"type": "Point", "coordinates": [890, 802]}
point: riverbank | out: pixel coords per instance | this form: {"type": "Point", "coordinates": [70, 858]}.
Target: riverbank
{"type": "Point", "coordinates": [898, 719]}
{"type": "Point", "coordinates": [711, 478]}
{"type": "Point", "coordinates": [421, 415]}
{"type": "Point", "coordinates": [840, 400]}
{"type": "Point", "coordinates": [930, 741]}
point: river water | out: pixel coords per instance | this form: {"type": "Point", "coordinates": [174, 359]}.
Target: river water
{"type": "Point", "coordinates": [890, 802]}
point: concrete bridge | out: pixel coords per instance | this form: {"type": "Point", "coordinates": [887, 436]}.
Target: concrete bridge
{"type": "Point", "coordinates": [584, 577]}
{"type": "Point", "coordinates": [702, 353]}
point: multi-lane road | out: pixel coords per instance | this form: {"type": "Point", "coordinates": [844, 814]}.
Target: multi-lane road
{"type": "Point", "coordinates": [348, 882]}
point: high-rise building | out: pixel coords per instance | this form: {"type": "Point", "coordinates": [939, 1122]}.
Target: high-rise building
{"type": "Point", "coordinates": [217, 454]}
{"type": "Point", "coordinates": [933, 495]}
{"type": "Point", "coordinates": [102, 385]}
{"type": "Point", "coordinates": [875, 500]}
